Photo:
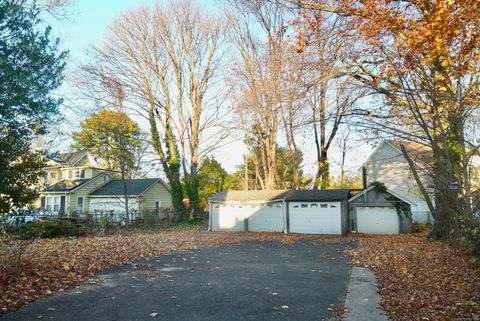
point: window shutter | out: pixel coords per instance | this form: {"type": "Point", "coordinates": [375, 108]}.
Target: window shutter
{"type": "Point", "coordinates": [62, 204]}
{"type": "Point", "coordinates": [42, 202]}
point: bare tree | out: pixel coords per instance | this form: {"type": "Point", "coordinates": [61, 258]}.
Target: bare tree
{"type": "Point", "coordinates": [168, 60]}
{"type": "Point", "coordinates": [258, 79]}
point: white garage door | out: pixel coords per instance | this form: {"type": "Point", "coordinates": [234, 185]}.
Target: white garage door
{"type": "Point", "coordinates": [315, 217]}
{"type": "Point", "coordinates": [261, 217]}
{"type": "Point", "coordinates": [377, 220]}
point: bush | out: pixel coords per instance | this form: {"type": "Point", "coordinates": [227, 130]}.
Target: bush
{"type": "Point", "coordinates": [47, 229]}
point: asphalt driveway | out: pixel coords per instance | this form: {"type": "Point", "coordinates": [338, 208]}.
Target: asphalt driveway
{"type": "Point", "coordinates": [248, 281]}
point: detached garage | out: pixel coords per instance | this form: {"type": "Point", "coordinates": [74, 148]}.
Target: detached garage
{"type": "Point", "coordinates": [318, 212]}
{"type": "Point", "coordinates": [309, 212]}
{"type": "Point", "coordinates": [255, 211]}
{"type": "Point", "coordinates": [377, 210]}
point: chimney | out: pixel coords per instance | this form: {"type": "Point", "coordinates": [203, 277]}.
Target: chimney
{"type": "Point", "coordinates": [364, 177]}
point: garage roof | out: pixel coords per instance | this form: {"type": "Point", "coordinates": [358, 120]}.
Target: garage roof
{"type": "Point", "coordinates": [287, 195]}
{"type": "Point", "coordinates": [134, 187]}
{"type": "Point", "coordinates": [319, 195]}
{"type": "Point", "coordinates": [250, 196]}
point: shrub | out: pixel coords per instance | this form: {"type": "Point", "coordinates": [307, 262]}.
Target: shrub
{"type": "Point", "coordinates": [47, 229]}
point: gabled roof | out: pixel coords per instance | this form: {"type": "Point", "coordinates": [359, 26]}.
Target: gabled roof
{"type": "Point", "coordinates": [250, 196]}
{"type": "Point", "coordinates": [369, 188]}
{"type": "Point", "coordinates": [71, 159]}
{"type": "Point", "coordinates": [419, 153]}
{"type": "Point", "coordinates": [68, 159]}
{"type": "Point", "coordinates": [321, 195]}
{"type": "Point", "coordinates": [416, 151]}
{"type": "Point", "coordinates": [65, 185]}
{"type": "Point", "coordinates": [134, 187]}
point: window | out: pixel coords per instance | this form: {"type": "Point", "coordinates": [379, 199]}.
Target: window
{"type": "Point", "coordinates": [158, 204]}
{"type": "Point", "coordinates": [80, 204]}
{"type": "Point", "coordinates": [333, 206]}
{"type": "Point", "coordinates": [53, 175]}
{"type": "Point", "coordinates": [79, 173]}
{"type": "Point", "coordinates": [323, 205]}
{"type": "Point", "coordinates": [52, 203]}
{"type": "Point", "coordinates": [295, 206]}
{"type": "Point", "coordinates": [313, 205]}
{"type": "Point", "coordinates": [70, 174]}
{"type": "Point", "coordinates": [304, 206]}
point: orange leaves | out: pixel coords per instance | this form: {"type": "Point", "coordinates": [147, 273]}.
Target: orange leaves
{"type": "Point", "coordinates": [420, 279]}
{"type": "Point", "coordinates": [57, 264]}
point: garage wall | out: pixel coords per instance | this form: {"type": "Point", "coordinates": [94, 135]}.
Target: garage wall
{"type": "Point", "coordinates": [262, 217]}
{"type": "Point", "coordinates": [315, 217]}
{"type": "Point", "coordinates": [378, 199]}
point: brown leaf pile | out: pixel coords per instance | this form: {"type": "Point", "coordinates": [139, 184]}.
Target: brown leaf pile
{"type": "Point", "coordinates": [421, 279]}
{"type": "Point", "coordinates": [51, 265]}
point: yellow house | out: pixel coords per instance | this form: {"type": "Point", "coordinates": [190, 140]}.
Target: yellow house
{"type": "Point", "coordinates": [74, 182]}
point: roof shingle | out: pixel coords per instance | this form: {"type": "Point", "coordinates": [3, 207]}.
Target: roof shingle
{"type": "Point", "coordinates": [134, 187]}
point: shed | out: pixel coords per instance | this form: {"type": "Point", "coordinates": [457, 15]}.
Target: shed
{"type": "Point", "coordinates": [377, 210]}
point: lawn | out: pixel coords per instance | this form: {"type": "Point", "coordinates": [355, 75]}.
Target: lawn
{"type": "Point", "coordinates": [419, 279]}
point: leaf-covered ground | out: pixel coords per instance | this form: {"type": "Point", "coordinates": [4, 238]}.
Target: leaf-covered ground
{"type": "Point", "coordinates": [421, 279]}
{"type": "Point", "coordinates": [52, 265]}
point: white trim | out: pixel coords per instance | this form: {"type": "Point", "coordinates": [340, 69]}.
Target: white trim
{"type": "Point", "coordinates": [83, 203]}
{"type": "Point", "coordinates": [365, 191]}
{"type": "Point", "coordinates": [248, 202]}
{"type": "Point", "coordinates": [403, 198]}
{"type": "Point", "coordinates": [158, 180]}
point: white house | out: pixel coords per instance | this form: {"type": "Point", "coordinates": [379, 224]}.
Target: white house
{"type": "Point", "coordinates": [387, 165]}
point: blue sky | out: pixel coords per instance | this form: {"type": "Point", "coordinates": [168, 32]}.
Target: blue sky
{"type": "Point", "coordinates": [89, 21]}
{"type": "Point", "coordinates": [88, 25]}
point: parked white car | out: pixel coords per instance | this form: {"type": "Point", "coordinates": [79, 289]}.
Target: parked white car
{"type": "Point", "coordinates": [22, 217]}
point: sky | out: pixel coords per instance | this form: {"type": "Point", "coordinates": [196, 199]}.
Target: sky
{"type": "Point", "coordinates": [87, 24]}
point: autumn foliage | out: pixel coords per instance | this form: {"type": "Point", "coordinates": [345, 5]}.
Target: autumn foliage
{"type": "Point", "coordinates": [421, 279]}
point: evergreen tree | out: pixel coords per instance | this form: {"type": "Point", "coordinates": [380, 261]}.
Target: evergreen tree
{"type": "Point", "coordinates": [31, 67]}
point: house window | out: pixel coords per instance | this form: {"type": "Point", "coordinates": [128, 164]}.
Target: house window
{"type": "Point", "coordinates": [158, 204]}
{"type": "Point", "coordinates": [79, 173]}
{"type": "Point", "coordinates": [80, 204]}
{"type": "Point", "coordinates": [70, 174]}
{"type": "Point", "coordinates": [333, 206]}
{"type": "Point", "coordinates": [313, 205]}
{"type": "Point", "coordinates": [295, 206]}
{"type": "Point", "coordinates": [304, 206]}
{"type": "Point", "coordinates": [323, 205]}
{"type": "Point", "coordinates": [53, 175]}
{"type": "Point", "coordinates": [52, 203]}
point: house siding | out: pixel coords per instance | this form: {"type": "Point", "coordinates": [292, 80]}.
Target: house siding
{"type": "Point", "coordinates": [388, 166]}
{"type": "Point", "coordinates": [84, 191]}
{"type": "Point", "coordinates": [157, 192]}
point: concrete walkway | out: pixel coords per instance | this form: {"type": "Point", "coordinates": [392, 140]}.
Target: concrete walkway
{"type": "Point", "coordinates": [363, 301]}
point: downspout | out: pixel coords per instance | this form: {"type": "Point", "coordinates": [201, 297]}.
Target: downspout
{"type": "Point", "coordinates": [285, 228]}
{"type": "Point", "coordinates": [209, 216]}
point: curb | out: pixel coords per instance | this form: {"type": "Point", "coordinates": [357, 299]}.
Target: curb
{"type": "Point", "coordinates": [363, 301]}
